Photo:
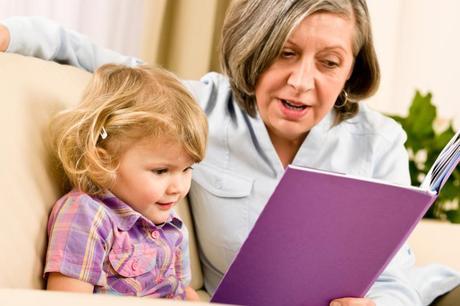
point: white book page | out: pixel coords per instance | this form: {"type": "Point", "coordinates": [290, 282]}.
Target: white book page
{"type": "Point", "coordinates": [444, 165]}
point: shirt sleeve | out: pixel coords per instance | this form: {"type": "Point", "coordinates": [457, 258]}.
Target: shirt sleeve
{"type": "Point", "coordinates": [393, 287]}
{"type": "Point", "coordinates": [79, 236]}
{"type": "Point", "coordinates": [391, 157]}
{"type": "Point", "coordinates": [402, 283]}
{"type": "Point", "coordinates": [45, 39]}
{"type": "Point", "coordinates": [211, 92]}
{"type": "Point", "coordinates": [182, 266]}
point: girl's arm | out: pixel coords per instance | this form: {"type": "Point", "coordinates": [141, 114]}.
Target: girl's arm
{"type": "Point", "coordinates": [182, 266]}
{"type": "Point", "coordinates": [60, 282]}
{"type": "Point", "coordinates": [79, 233]}
{"type": "Point", "coordinates": [46, 39]}
{"type": "Point", "coordinates": [191, 295]}
{"type": "Point", "coordinates": [4, 38]}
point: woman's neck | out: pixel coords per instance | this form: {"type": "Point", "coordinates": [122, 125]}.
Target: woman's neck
{"type": "Point", "coordinates": [286, 148]}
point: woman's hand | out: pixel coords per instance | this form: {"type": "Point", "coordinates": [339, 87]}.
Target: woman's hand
{"type": "Point", "coordinates": [352, 302]}
{"type": "Point", "coordinates": [4, 38]}
{"type": "Point", "coordinates": [60, 282]}
{"type": "Point", "coordinates": [191, 295]}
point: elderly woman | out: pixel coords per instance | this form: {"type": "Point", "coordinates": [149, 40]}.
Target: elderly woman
{"type": "Point", "coordinates": [294, 72]}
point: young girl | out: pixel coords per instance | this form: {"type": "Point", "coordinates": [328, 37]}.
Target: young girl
{"type": "Point", "coordinates": [128, 150]}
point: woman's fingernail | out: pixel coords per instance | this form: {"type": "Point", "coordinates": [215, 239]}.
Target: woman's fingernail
{"type": "Point", "coordinates": [335, 304]}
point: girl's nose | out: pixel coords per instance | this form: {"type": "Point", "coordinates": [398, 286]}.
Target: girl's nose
{"type": "Point", "coordinates": [176, 184]}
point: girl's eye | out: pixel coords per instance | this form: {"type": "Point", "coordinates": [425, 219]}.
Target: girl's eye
{"type": "Point", "coordinates": [188, 169]}
{"type": "Point", "coordinates": [160, 171]}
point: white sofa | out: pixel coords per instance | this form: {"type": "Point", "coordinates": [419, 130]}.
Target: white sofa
{"type": "Point", "coordinates": [31, 91]}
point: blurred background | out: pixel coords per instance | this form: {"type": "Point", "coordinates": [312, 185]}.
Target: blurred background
{"type": "Point", "coordinates": [417, 41]}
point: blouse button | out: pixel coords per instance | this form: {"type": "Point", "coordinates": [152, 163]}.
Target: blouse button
{"type": "Point", "coordinates": [155, 235]}
{"type": "Point", "coordinates": [134, 265]}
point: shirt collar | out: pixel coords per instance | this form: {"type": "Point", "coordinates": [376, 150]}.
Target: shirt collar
{"type": "Point", "coordinates": [312, 143]}
{"type": "Point", "coordinates": [327, 122]}
{"type": "Point", "coordinates": [125, 217]}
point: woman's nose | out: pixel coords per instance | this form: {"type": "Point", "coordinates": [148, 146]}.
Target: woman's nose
{"type": "Point", "coordinates": [301, 76]}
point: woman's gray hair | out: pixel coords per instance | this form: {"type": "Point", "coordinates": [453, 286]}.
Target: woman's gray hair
{"type": "Point", "coordinates": [255, 31]}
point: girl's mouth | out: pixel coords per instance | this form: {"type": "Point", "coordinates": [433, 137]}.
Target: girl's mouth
{"type": "Point", "coordinates": [165, 206]}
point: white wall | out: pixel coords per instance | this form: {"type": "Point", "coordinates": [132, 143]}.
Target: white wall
{"type": "Point", "coordinates": [114, 24]}
{"type": "Point", "coordinates": [418, 44]}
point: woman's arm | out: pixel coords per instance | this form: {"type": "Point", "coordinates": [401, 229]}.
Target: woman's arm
{"type": "Point", "coordinates": [394, 285]}
{"type": "Point", "coordinates": [45, 39]}
{"type": "Point", "coordinates": [391, 163]}
{"type": "Point", "coordinates": [60, 282]}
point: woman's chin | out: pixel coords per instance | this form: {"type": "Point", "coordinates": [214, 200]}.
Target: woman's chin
{"type": "Point", "coordinates": [290, 131]}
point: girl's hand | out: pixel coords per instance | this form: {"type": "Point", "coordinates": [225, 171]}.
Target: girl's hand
{"type": "Point", "coordinates": [4, 38]}
{"type": "Point", "coordinates": [60, 282]}
{"type": "Point", "coordinates": [352, 302]}
{"type": "Point", "coordinates": [191, 295]}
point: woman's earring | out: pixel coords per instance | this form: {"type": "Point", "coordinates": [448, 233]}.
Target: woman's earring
{"type": "Point", "coordinates": [345, 99]}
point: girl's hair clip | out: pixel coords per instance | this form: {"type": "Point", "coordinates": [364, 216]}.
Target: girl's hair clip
{"type": "Point", "coordinates": [104, 133]}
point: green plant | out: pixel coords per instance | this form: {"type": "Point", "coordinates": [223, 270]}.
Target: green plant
{"type": "Point", "coordinates": [424, 144]}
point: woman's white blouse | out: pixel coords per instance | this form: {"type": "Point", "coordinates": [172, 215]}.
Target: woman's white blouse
{"type": "Point", "coordinates": [240, 171]}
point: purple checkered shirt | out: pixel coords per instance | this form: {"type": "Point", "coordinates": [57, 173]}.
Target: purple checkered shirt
{"type": "Point", "coordinates": [103, 241]}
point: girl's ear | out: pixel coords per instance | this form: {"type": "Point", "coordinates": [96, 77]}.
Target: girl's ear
{"type": "Point", "coordinates": [103, 155]}
{"type": "Point", "coordinates": [107, 167]}
{"type": "Point", "coordinates": [101, 152]}
{"type": "Point", "coordinates": [109, 161]}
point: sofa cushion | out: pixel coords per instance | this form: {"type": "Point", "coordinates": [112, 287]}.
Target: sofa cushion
{"type": "Point", "coordinates": [435, 241]}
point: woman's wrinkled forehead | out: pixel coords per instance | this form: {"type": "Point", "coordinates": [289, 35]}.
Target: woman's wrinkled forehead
{"type": "Point", "coordinates": [344, 10]}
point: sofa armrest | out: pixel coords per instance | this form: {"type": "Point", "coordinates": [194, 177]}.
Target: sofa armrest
{"type": "Point", "coordinates": [451, 298]}
{"type": "Point", "coordinates": [435, 241]}
{"type": "Point", "coordinates": [54, 298]}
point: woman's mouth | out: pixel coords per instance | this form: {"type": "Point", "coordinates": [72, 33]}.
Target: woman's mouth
{"type": "Point", "coordinates": [292, 110]}
{"type": "Point", "coordinates": [293, 106]}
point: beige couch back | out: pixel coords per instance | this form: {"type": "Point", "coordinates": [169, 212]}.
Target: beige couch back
{"type": "Point", "coordinates": [31, 91]}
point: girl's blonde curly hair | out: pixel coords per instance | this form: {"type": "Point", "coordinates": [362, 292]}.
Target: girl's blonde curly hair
{"type": "Point", "coordinates": [129, 104]}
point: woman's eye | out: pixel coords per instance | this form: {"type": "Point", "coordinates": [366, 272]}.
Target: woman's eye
{"type": "Point", "coordinates": [160, 171]}
{"type": "Point", "coordinates": [330, 64]}
{"type": "Point", "coordinates": [287, 53]}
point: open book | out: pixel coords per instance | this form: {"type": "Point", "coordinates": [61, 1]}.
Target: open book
{"type": "Point", "coordinates": [324, 235]}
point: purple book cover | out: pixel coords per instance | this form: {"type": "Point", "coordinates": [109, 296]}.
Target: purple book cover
{"type": "Point", "coordinates": [321, 236]}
